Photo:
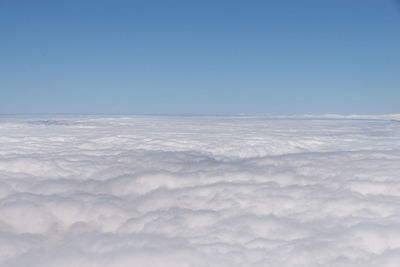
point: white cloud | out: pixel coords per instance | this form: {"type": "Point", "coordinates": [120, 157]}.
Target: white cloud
{"type": "Point", "coordinates": [206, 191]}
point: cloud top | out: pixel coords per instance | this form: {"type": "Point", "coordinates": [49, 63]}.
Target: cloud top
{"type": "Point", "coordinates": [205, 191]}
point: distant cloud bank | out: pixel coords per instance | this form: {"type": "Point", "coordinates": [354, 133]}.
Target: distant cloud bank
{"type": "Point", "coordinates": [337, 116]}
{"type": "Point", "coordinates": [200, 191]}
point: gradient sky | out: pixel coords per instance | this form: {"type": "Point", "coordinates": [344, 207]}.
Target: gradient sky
{"type": "Point", "coordinates": [200, 57]}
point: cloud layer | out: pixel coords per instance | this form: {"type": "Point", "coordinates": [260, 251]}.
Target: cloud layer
{"type": "Point", "coordinates": [206, 191]}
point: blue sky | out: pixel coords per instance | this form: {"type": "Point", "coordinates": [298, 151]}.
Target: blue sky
{"type": "Point", "coordinates": [200, 57]}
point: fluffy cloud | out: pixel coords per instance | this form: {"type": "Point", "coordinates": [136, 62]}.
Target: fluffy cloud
{"type": "Point", "coordinates": [206, 191]}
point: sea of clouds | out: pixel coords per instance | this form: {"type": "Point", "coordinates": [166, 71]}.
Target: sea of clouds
{"type": "Point", "coordinates": [200, 191]}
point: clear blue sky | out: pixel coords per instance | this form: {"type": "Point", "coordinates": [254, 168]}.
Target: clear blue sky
{"type": "Point", "coordinates": [200, 57]}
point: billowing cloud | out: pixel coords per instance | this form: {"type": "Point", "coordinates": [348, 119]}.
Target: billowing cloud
{"type": "Point", "coordinates": [205, 191]}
